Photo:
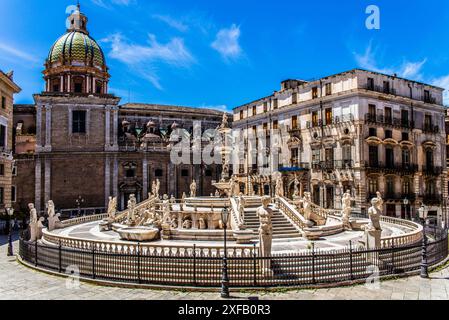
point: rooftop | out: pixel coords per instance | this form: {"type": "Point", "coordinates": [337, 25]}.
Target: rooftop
{"type": "Point", "coordinates": [171, 108]}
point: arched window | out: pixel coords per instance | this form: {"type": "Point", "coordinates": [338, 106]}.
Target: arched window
{"type": "Point", "coordinates": [98, 87]}
{"type": "Point", "coordinates": [78, 84]}
{"type": "Point", "coordinates": [55, 85]}
{"type": "Point", "coordinates": [406, 186]}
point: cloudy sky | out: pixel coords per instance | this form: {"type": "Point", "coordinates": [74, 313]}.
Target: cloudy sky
{"type": "Point", "coordinates": [224, 53]}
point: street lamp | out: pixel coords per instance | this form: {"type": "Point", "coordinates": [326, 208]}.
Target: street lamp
{"type": "Point", "coordinates": [225, 278]}
{"type": "Point", "coordinates": [10, 212]}
{"type": "Point", "coordinates": [406, 203]}
{"type": "Point", "coordinates": [79, 202]}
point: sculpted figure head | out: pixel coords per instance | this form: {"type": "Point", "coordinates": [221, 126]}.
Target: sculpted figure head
{"type": "Point", "coordinates": [266, 201]}
{"type": "Point", "coordinates": [31, 206]}
{"type": "Point", "coordinates": [374, 202]}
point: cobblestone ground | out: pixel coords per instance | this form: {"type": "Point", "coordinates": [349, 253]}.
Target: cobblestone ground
{"type": "Point", "coordinates": [19, 282]}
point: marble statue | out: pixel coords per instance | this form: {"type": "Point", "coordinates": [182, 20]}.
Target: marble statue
{"type": "Point", "coordinates": [187, 224]}
{"type": "Point", "coordinates": [232, 187]}
{"type": "Point", "coordinates": [380, 202]}
{"type": "Point", "coordinates": [265, 215]}
{"type": "Point", "coordinates": [35, 224]}
{"type": "Point", "coordinates": [279, 187]}
{"type": "Point", "coordinates": [193, 189]}
{"type": "Point", "coordinates": [132, 202]}
{"type": "Point", "coordinates": [157, 187]}
{"type": "Point", "coordinates": [217, 194]}
{"type": "Point", "coordinates": [166, 209]}
{"type": "Point", "coordinates": [241, 207]}
{"type": "Point", "coordinates": [174, 222]}
{"type": "Point", "coordinates": [224, 122]}
{"type": "Point", "coordinates": [307, 205]}
{"type": "Point", "coordinates": [202, 223]}
{"type": "Point", "coordinates": [53, 218]}
{"type": "Point", "coordinates": [296, 188]}
{"type": "Point", "coordinates": [346, 209]}
{"type": "Point", "coordinates": [374, 216]}
{"type": "Point", "coordinates": [112, 208]}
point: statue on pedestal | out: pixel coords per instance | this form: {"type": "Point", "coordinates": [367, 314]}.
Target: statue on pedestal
{"type": "Point", "coordinates": [296, 188]}
{"type": "Point", "coordinates": [279, 186]}
{"type": "Point", "coordinates": [193, 189]}
{"type": "Point", "coordinates": [232, 187]}
{"type": "Point", "coordinates": [346, 209]}
{"type": "Point", "coordinates": [380, 201]}
{"type": "Point", "coordinates": [265, 215]}
{"type": "Point", "coordinates": [132, 202]}
{"type": "Point", "coordinates": [373, 231]}
{"type": "Point", "coordinates": [166, 210]}
{"type": "Point", "coordinates": [35, 224]}
{"type": "Point", "coordinates": [112, 208]}
{"type": "Point", "coordinates": [53, 218]}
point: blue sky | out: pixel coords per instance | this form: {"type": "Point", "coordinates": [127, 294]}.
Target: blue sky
{"type": "Point", "coordinates": [224, 53]}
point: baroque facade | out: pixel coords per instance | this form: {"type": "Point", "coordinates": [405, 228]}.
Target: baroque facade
{"type": "Point", "coordinates": [78, 146]}
{"type": "Point", "coordinates": [7, 90]}
{"type": "Point", "coordinates": [358, 130]}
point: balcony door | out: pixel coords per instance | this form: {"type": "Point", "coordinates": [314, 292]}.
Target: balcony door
{"type": "Point", "coordinates": [389, 157]}
{"type": "Point", "coordinates": [373, 156]}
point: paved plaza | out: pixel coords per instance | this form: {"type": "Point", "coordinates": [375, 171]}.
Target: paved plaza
{"type": "Point", "coordinates": [19, 282]}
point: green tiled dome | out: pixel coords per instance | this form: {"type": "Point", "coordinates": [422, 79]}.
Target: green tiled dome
{"type": "Point", "coordinates": [77, 46]}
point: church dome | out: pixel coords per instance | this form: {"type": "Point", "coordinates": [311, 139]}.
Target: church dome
{"type": "Point", "coordinates": [78, 49]}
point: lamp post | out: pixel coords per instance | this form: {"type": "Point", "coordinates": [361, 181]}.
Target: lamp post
{"type": "Point", "coordinates": [10, 212]}
{"type": "Point", "coordinates": [79, 202]}
{"type": "Point", "coordinates": [406, 203]}
{"type": "Point", "coordinates": [225, 278]}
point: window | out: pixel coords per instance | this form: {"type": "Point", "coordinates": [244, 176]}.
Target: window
{"type": "Point", "coordinates": [429, 159]}
{"type": "Point", "coordinates": [241, 114]}
{"type": "Point", "coordinates": [265, 107]}
{"type": "Point", "coordinates": [372, 110]}
{"type": "Point", "coordinates": [373, 156]}
{"type": "Point", "coordinates": [316, 156]}
{"type": "Point", "coordinates": [370, 84]}
{"type": "Point", "coordinates": [315, 120]}
{"type": "Point", "coordinates": [275, 103]}
{"type": "Point", "coordinates": [328, 89]}
{"type": "Point", "coordinates": [254, 110]}
{"type": "Point", "coordinates": [328, 114]}
{"type": "Point", "coordinates": [405, 158]}
{"type": "Point", "coordinates": [390, 185]}
{"type": "Point", "coordinates": [3, 103]}
{"type": "Point", "coordinates": [295, 157]}
{"type": "Point", "coordinates": [372, 132]}
{"type": "Point", "coordinates": [79, 122]}
{"type": "Point", "coordinates": [208, 173]}
{"type": "Point", "coordinates": [2, 169]}
{"type": "Point", "coordinates": [2, 195]}
{"type": "Point", "coordinates": [295, 122]}
{"type": "Point", "coordinates": [130, 173]}
{"type": "Point", "coordinates": [314, 92]}
{"type": "Point", "coordinates": [427, 96]}
{"type": "Point", "coordinates": [329, 157]}
{"type": "Point", "coordinates": [428, 122]}
{"type": "Point", "coordinates": [14, 170]}
{"type": "Point", "coordinates": [98, 87]}
{"type": "Point", "coordinates": [13, 193]}
{"type": "Point", "coordinates": [388, 115]}
{"type": "Point", "coordinates": [347, 153]}
{"type": "Point", "coordinates": [405, 136]}
{"type": "Point", "coordinates": [78, 84]}
{"type": "Point", "coordinates": [2, 136]}
{"type": "Point", "coordinates": [404, 118]}
{"type": "Point", "coordinates": [373, 186]}
{"type": "Point", "coordinates": [386, 87]}
{"type": "Point", "coordinates": [275, 125]}
{"type": "Point", "coordinates": [388, 134]}
{"type": "Point", "coordinates": [158, 173]}
{"type": "Point", "coordinates": [295, 98]}
{"type": "Point", "coordinates": [184, 173]}
{"type": "Point", "coordinates": [389, 157]}
{"type": "Point", "coordinates": [406, 187]}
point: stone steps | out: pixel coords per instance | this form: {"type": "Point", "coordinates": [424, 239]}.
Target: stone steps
{"type": "Point", "coordinates": [282, 227]}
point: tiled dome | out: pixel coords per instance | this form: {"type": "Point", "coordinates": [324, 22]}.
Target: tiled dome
{"type": "Point", "coordinates": [77, 48]}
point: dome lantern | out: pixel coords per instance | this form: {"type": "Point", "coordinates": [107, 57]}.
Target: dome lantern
{"type": "Point", "coordinates": [78, 21]}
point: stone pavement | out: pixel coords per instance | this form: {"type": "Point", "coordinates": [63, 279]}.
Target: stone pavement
{"type": "Point", "coordinates": [18, 282]}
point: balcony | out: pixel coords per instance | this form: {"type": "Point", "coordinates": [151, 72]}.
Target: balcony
{"type": "Point", "coordinates": [333, 165]}
{"type": "Point", "coordinates": [429, 128]}
{"type": "Point", "coordinates": [388, 121]}
{"type": "Point", "coordinates": [391, 168]}
{"type": "Point", "coordinates": [396, 197]}
{"type": "Point", "coordinates": [329, 122]}
{"type": "Point", "coordinates": [432, 199]}
{"type": "Point", "coordinates": [432, 171]}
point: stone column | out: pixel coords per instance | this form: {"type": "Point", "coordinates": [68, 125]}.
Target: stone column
{"type": "Point", "coordinates": [108, 129]}
{"type": "Point", "coordinates": [171, 178]}
{"type": "Point", "coordinates": [48, 128]}
{"type": "Point", "coordinates": [47, 181]}
{"type": "Point", "coordinates": [39, 127]}
{"type": "Point", "coordinates": [115, 178]}
{"type": "Point", "coordinates": [115, 131]}
{"type": "Point", "coordinates": [61, 85]}
{"type": "Point", "coordinates": [37, 185]}
{"type": "Point", "coordinates": [107, 180]}
{"type": "Point", "coordinates": [145, 177]}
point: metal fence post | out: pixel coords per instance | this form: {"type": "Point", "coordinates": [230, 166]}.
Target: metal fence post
{"type": "Point", "coordinates": [254, 265]}
{"type": "Point", "coordinates": [313, 263]}
{"type": "Point", "coordinates": [393, 270]}
{"type": "Point", "coordinates": [194, 264]}
{"type": "Point", "coordinates": [424, 265]}
{"type": "Point", "coordinates": [350, 259]}
{"type": "Point", "coordinates": [35, 253]}
{"type": "Point", "coordinates": [138, 263]}
{"type": "Point", "coordinates": [93, 262]}
{"type": "Point", "coordinates": [60, 256]}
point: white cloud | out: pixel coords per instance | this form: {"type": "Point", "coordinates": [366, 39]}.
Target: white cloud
{"type": "Point", "coordinates": [443, 82]}
{"type": "Point", "coordinates": [172, 22]}
{"type": "Point", "coordinates": [9, 53]}
{"type": "Point", "coordinates": [408, 69]}
{"type": "Point", "coordinates": [144, 59]}
{"type": "Point", "coordinates": [108, 3]}
{"type": "Point", "coordinates": [227, 42]}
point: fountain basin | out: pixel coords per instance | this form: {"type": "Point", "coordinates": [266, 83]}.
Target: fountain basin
{"type": "Point", "coordinates": [141, 234]}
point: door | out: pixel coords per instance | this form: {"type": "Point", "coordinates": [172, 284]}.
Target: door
{"type": "Point", "coordinates": [391, 210]}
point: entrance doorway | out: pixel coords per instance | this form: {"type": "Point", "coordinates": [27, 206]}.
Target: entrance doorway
{"type": "Point", "coordinates": [391, 210]}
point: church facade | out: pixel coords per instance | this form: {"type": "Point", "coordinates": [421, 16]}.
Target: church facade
{"type": "Point", "coordinates": [77, 146]}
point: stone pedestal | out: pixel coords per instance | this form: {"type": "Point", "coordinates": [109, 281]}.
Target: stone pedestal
{"type": "Point", "coordinates": [54, 223]}
{"type": "Point", "coordinates": [372, 239]}
{"type": "Point", "coordinates": [165, 232]}
{"type": "Point", "coordinates": [243, 236]}
{"type": "Point", "coordinates": [36, 230]}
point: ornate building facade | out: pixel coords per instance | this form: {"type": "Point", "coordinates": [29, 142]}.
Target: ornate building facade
{"type": "Point", "coordinates": [7, 90]}
{"type": "Point", "coordinates": [77, 145]}
{"type": "Point", "coordinates": [358, 130]}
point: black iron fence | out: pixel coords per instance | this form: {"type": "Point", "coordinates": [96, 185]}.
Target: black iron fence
{"type": "Point", "coordinates": [194, 268]}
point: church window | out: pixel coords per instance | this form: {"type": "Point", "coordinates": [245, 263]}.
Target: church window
{"type": "Point", "coordinates": [79, 122]}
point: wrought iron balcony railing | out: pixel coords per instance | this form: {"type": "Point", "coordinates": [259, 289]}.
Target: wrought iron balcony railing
{"type": "Point", "coordinates": [432, 170]}
{"type": "Point", "coordinates": [378, 166]}
{"type": "Point", "coordinates": [389, 121]}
